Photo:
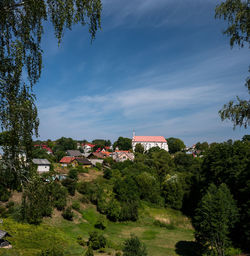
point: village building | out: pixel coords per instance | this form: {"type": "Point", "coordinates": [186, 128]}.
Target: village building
{"type": "Point", "coordinates": [88, 147]}
{"type": "Point", "coordinates": [149, 142]}
{"type": "Point", "coordinates": [75, 153]}
{"type": "Point", "coordinates": [3, 242]}
{"type": "Point", "coordinates": [82, 162]}
{"type": "Point", "coordinates": [67, 160]}
{"type": "Point", "coordinates": [43, 165]}
{"type": "Point", "coordinates": [121, 156]}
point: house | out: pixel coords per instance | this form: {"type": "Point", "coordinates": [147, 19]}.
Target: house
{"type": "Point", "coordinates": [4, 243]}
{"type": "Point", "coordinates": [45, 147]}
{"type": "Point", "coordinates": [150, 141]}
{"type": "Point", "coordinates": [88, 147]}
{"type": "Point", "coordinates": [121, 156]}
{"type": "Point", "coordinates": [95, 161]}
{"type": "Point", "coordinates": [66, 160]}
{"type": "Point", "coordinates": [75, 153]}
{"type": "Point", "coordinates": [43, 165]}
{"type": "Point", "coordinates": [82, 161]}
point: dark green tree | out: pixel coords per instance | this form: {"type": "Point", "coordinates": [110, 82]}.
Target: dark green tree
{"type": "Point", "coordinates": [214, 218]}
{"type": "Point", "coordinates": [21, 29]}
{"type": "Point", "coordinates": [123, 143]}
{"type": "Point", "coordinates": [175, 145]}
{"type": "Point", "coordinates": [134, 247]}
{"type": "Point", "coordinates": [139, 148]}
{"type": "Point", "coordinates": [236, 13]}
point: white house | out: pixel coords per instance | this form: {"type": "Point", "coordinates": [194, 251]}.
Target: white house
{"type": "Point", "coordinates": [150, 141]}
{"type": "Point", "coordinates": [121, 156]}
{"type": "Point", "coordinates": [43, 165]}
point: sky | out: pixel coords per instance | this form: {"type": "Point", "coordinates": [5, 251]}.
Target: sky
{"type": "Point", "coordinates": [158, 67]}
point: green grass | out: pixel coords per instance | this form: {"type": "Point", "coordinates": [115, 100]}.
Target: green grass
{"type": "Point", "coordinates": [160, 241]}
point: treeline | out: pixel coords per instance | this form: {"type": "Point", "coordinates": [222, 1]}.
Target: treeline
{"type": "Point", "coordinates": [183, 182]}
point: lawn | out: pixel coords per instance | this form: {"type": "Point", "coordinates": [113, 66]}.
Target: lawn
{"type": "Point", "coordinates": [29, 240]}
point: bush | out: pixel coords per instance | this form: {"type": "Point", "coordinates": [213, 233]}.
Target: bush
{"type": "Point", "coordinates": [107, 174]}
{"type": "Point", "coordinates": [96, 241]}
{"type": "Point", "coordinates": [134, 247]}
{"type": "Point", "coordinates": [73, 174]}
{"type": "Point", "coordinates": [101, 223]}
{"type": "Point", "coordinates": [76, 206]}
{"type": "Point", "coordinates": [129, 211]}
{"type": "Point", "coordinates": [98, 166]}
{"type": "Point", "coordinates": [113, 210]}
{"type": "Point", "coordinates": [84, 199]}
{"type": "Point", "coordinates": [89, 252]}
{"type": "Point", "coordinates": [59, 195]}
{"type": "Point", "coordinates": [70, 184]}
{"type": "Point", "coordinates": [52, 252]}
{"type": "Point", "coordinates": [10, 204]}
{"type": "Point", "coordinates": [68, 214]}
{"type": "Point", "coordinates": [81, 241]}
{"type": "Point", "coordinates": [4, 194]}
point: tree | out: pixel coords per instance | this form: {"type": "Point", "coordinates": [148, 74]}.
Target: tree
{"type": "Point", "coordinates": [139, 148]}
{"type": "Point", "coordinates": [175, 145]}
{"type": "Point", "coordinates": [215, 216]}
{"type": "Point", "coordinates": [134, 247]}
{"type": "Point", "coordinates": [123, 143]}
{"type": "Point", "coordinates": [236, 12]}
{"type": "Point", "coordinates": [21, 29]}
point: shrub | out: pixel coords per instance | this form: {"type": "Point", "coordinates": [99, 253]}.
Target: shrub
{"type": "Point", "coordinates": [68, 214]}
{"type": "Point", "coordinates": [107, 174]}
{"type": "Point", "coordinates": [76, 206]}
{"type": "Point", "coordinates": [59, 195]}
{"type": "Point", "coordinates": [81, 241]}
{"type": "Point", "coordinates": [134, 247]}
{"type": "Point", "coordinates": [52, 252]}
{"type": "Point", "coordinates": [10, 204]}
{"type": "Point", "coordinates": [96, 241]}
{"type": "Point", "coordinates": [73, 174]}
{"type": "Point", "coordinates": [129, 211]}
{"type": "Point", "coordinates": [101, 223]}
{"type": "Point", "coordinates": [4, 194]}
{"type": "Point", "coordinates": [98, 166]}
{"type": "Point", "coordinates": [70, 184]}
{"type": "Point", "coordinates": [113, 210]}
{"type": "Point", "coordinates": [89, 252]}
{"type": "Point", "coordinates": [84, 199]}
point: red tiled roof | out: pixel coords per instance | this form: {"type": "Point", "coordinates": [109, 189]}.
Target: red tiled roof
{"type": "Point", "coordinates": [91, 145]}
{"type": "Point", "coordinates": [149, 139]}
{"type": "Point", "coordinates": [122, 151]}
{"type": "Point", "coordinates": [67, 159]}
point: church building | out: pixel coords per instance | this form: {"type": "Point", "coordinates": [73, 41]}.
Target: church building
{"type": "Point", "coordinates": [150, 141]}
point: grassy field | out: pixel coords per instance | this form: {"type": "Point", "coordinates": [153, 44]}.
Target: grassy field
{"type": "Point", "coordinates": [29, 240]}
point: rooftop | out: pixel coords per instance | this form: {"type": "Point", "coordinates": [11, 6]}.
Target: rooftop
{"type": "Point", "coordinates": [149, 139]}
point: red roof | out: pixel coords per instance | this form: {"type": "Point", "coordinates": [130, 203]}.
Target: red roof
{"type": "Point", "coordinates": [67, 159]}
{"type": "Point", "coordinates": [122, 151]}
{"type": "Point", "coordinates": [149, 139]}
{"type": "Point", "coordinates": [91, 145]}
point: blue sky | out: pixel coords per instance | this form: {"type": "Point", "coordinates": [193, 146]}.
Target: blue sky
{"type": "Point", "coordinates": [159, 67]}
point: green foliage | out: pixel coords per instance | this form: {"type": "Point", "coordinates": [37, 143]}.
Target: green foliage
{"type": "Point", "coordinates": [64, 144]}
{"type": "Point", "coordinates": [68, 214]}
{"type": "Point", "coordinates": [96, 241]}
{"type": "Point", "coordinates": [89, 252]}
{"type": "Point", "coordinates": [201, 146]}
{"type": "Point", "coordinates": [113, 210]}
{"type": "Point", "coordinates": [102, 142]}
{"type": "Point", "coordinates": [36, 201]}
{"type": "Point", "coordinates": [59, 195]}
{"type": "Point", "coordinates": [134, 247]}
{"type": "Point", "coordinates": [70, 184]}
{"type": "Point", "coordinates": [4, 193]}
{"type": "Point", "coordinates": [101, 223]}
{"type": "Point", "coordinates": [73, 174]}
{"type": "Point", "coordinates": [173, 192]}
{"type": "Point", "coordinates": [55, 251]}
{"type": "Point", "coordinates": [139, 148]}
{"type": "Point", "coordinates": [215, 216]}
{"type": "Point", "coordinates": [123, 143]}
{"type": "Point", "coordinates": [236, 12]}
{"type": "Point", "coordinates": [175, 145]}
{"type": "Point", "coordinates": [238, 112]}
{"type": "Point", "coordinates": [107, 174]}
{"type": "Point", "coordinates": [76, 205]}
{"type": "Point", "coordinates": [21, 27]}
{"type": "Point", "coordinates": [149, 187]}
